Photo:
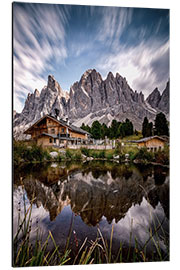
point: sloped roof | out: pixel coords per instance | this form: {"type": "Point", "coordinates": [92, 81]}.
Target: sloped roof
{"type": "Point", "coordinates": [60, 121]}
{"type": "Point", "coordinates": [148, 139]}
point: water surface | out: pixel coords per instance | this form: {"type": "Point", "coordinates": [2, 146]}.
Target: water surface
{"type": "Point", "coordinates": [90, 195]}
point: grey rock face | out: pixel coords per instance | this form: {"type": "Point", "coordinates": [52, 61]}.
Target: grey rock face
{"type": "Point", "coordinates": [164, 102]}
{"type": "Point", "coordinates": [154, 98]}
{"type": "Point", "coordinates": [90, 99]}
{"type": "Point", "coordinates": [38, 104]}
{"type": "Point", "coordinates": [158, 101]}
{"type": "Point", "coordinates": [105, 100]}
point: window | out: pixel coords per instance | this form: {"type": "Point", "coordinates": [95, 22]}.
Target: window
{"type": "Point", "coordinates": [50, 140]}
{"type": "Point", "coordinates": [54, 140]}
{"type": "Point", "coordinates": [52, 131]}
{"type": "Point", "coordinates": [160, 147]}
{"type": "Point", "coordinates": [62, 129]}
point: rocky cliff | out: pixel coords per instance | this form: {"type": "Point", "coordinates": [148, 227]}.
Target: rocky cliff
{"type": "Point", "coordinates": [38, 104]}
{"type": "Point", "coordinates": [158, 101]}
{"type": "Point", "coordinates": [91, 98]}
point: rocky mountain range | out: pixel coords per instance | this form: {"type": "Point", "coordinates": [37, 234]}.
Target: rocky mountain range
{"type": "Point", "coordinates": [158, 101]}
{"type": "Point", "coordinates": [90, 99]}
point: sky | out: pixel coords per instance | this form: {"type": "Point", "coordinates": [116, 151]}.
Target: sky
{"type": "Point", "coordinates": [66, 40]}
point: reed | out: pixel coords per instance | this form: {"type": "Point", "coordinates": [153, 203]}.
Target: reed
{"type": "Point", "coordinates": [90, 252]}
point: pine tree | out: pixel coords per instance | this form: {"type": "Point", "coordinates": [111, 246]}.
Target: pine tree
{"type": "Point", "coordinates": [161, 125]}
{"type": "Point", "coordinates": [104, 131]}
{"type": "Point", "coordinates": [96, 130]}
{"type": "Point", "coordinates": [113, 129]}
{"type": "Point", "coordinates": [149, 129]}
{"type": "Point", "coordinates": [145, 127]}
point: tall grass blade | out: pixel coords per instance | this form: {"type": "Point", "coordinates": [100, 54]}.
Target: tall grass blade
{"type": "Point", "coordinates": [110, 248]}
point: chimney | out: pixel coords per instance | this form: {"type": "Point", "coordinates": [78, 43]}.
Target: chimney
{"type": "Point", "coordinates": [67, 121]}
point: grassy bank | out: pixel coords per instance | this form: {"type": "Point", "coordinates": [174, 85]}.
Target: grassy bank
{"type": "Point", "coordinates": [32, 153]}
{"type": "Point", "coordinates": [89, 252]}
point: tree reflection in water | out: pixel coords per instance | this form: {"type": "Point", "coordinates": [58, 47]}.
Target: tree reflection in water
{"type": "Point", "coordinates": [97, 192]}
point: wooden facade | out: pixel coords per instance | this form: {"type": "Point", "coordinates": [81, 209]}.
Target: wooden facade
{"type": "Point", "coordinates": [49, 131]}
{"type": "Point", "coordinates": [153, 143]}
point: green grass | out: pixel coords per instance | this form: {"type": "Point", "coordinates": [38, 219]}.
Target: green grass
{"type": "Point", "coordinates": [132, 137]}
{"type": "Point", "coordinates": [29, 153]}
{"type": "Point", "coordinates": [23, 153]}
{"type": "Point", "coordinates": [98, 251]}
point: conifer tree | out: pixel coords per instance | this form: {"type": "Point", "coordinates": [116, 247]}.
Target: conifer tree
{"type": "Point", "coordinates": [161, 125]}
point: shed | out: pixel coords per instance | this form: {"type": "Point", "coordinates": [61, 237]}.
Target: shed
{"type": "Point", "coordinates": [153, 143]}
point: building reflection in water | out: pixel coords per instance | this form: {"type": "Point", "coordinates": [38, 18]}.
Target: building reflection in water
{"type": "Point", "coordinates": [95, 190]}
{"type": "Point", "coordinates": [95, 194]}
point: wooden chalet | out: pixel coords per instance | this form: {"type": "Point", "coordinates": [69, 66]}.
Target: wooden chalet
{"type": "Point", "coordinates": [51, 131]}
{"type": "Point", "coordinates": [153, 143]}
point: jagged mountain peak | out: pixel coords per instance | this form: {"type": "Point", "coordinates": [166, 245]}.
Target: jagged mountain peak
{"type": "Point", "coordinates": [154, 98]}
{"type": "Point", "coordinates": [164, 101]}
{"type": "Point", "coordinates": [91, 98]}
{"type": "Point", "coordinates": [89, 76]}
{"type": "Point", "coordinates": [110, 76]}
{"type": "Point", "coordinates": [158, 101]}
{"type": "Point", "coordinates": [53, 84]}
{"type": "Point", "coordinates": [36, 93]}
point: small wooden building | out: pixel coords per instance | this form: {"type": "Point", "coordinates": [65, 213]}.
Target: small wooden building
{"type": "Point", "coordinates": [50, 131]}
{"type": "Point", "coordinates": [153, 143]}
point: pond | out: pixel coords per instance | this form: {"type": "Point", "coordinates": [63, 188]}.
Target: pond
{"type": "Point", "coordinates": [87, 197]}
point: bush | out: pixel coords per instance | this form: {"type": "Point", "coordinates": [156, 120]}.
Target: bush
{"type": "Point", "coordinates": [29, 153]}
{"type": "Point", "coordinates": [85, 152]}
{"type": "Point", "coordinates": [101, 154]}
{"type": "Point", "coordinates": [109, 155]}
{"type": "Point", "coordinates": [94, 154]}
{"type": "Point", "coordinates": [77, 155]}
{"type": "Point", "coordinates": [162, 156]}
{"type": "Point", "coordinates": [69, 154]}
{"type": "Point", "coordinates": [144, 155]}
{"type": "Point", "coordinates": [118, 149]}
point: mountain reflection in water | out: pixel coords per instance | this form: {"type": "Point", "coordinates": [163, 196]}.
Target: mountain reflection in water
{"type": "Point", "coordinates": [100, 193]}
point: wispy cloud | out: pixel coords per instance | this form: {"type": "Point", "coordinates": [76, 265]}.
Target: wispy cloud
{"type": "Point", "coordinates": [65, 40]}
{"type": "Point", "coordinates": [145, 66]}
{"type": "Point", "coordinates": [39, 40]}
{"type": "Point", "coordinates": [113, 23]}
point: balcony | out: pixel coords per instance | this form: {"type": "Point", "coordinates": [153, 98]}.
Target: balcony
{"type": "Point", "coordinates": [62, 135]}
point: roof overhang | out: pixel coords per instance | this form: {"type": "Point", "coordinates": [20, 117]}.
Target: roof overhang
{"type": "Point", "coordinates": [148, 139]}
{"type": "Point", "coordinates": [61, 122]}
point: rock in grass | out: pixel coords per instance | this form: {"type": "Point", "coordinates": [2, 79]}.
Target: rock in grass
{"type": "Point", "coordinates": [116, 157]}
{"type": "Point", "coordinates": [63, 152]}
{"type": "Point", "coordinates": [89, 158]}
{"type": "Point", "coordinates": [53, 154]}
{"type": "Point", "coordinates": [83, 156]}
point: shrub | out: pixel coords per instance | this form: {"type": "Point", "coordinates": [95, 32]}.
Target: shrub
{"type": "Point", "coordinates": [132, 155]}
{"type": "Point", "coordinates": [94, 154]}
{"type": "Point", "coordinates": [109, 155]}
{"type": "Point", "coordinates": [162, 157]}
{"type": "Point", "coordinates": [77, 155]}
{"type": "Point", "coordinates": [144, 155]}
{"type": "Point", "coordinates": [101, 154]}
{"type": "Point", "coordinates": [85, 152]}
{"type": "Point", "coordinates": [29, 153]}
{"type": "Point", "coordinates": [68, 154]}
{"type": "Point", "coordinates": [118, 149]}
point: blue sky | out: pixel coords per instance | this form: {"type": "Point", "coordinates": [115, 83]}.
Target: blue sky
{"type": "Point", "coordinates": [66, 40]}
